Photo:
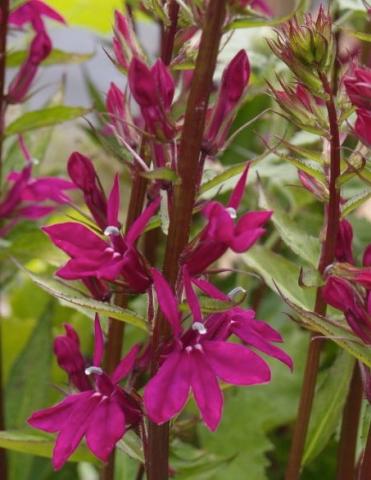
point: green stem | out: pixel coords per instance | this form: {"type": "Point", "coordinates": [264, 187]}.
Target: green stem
{"type": "Point", "coordinates": [4, 12]}
{"type": "Point", "coordinates": [332, 218]}
{"type": "Point", "coordinates": [184, 199]}
{"type": "Point", "coordinates": [349, 428]}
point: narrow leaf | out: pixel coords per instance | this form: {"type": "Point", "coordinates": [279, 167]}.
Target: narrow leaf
{"type": "Point", "coordinates": [44, 118]}
{"type": "Point", "coordinates": [57, 57]}
{"type": "Point", "coordinates": [354, 202]}
{"type": "Point", "coordinates": [70, 297]}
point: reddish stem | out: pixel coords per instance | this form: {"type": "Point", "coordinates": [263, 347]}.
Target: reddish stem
{"type": "Point", "coordinates": [349, 428]}
{"type": "Point", "coordinates": [4, 13]}
{"type": "Point", "coordinates": [332, 217]}
{"type": "Point", "coordinates": [184, 199]}
{"type": "Point", "coordinates": [365, 473]}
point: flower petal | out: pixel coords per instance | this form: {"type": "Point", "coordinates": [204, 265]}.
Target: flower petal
{"type": "Point", "coordinates": [106, 427]}
{"type": "Point", "coordinates": [235, 364]}
{"type": "Point", "coordinates": [167, 392]}
{"type": "Point", "coordinates": [167, 301]}
{"type": "Point", "coordinates": [206, 390]}
{"type": "Point", "coordinates": [126, 365]}
{"type": "Point", "coordinates": [140, 223]}
{"type": "Point", "coordinates": [239, 189]}
{"type": "Point", "coordinates": [98, 342]}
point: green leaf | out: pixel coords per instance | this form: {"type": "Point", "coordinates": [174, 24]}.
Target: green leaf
{"type": "Point", "coordinates": [277, 271]}
{"type": "Point", "coordinates": [40, 445]}
{"type": "Point", "coordinates": [304, 152]}
{"type": "Point", "coordinates": [70, 297]}
{"type": "Point", "coordinates": [56, 57]}
{"type": "Point", "coordinates": [354, 202]}
{"type": "Point", "coordinates": [308, 166]}
{"type": "Point", "coordinates": [304, 245]}
{"type": "Point", "coordinates": [328, 405]}
{"type": "Point", "coordinates": [28, 384]}
{"type": "Point", "coordinates": [192, 463]}
{"type": "Point", "coordinates": [163, 173]}
{"type": "Point", "coordinates": [44, 118]}
{"type": "Point", "coordinates": [132, 446]}
{"type": "Point", "coordinates": [251, 22]}
{"type": "Point", "coordinates": [222, 177]}
{"type": "Point", "coordinates": [365, 37]}
{"type": "Point", "coordinates": [333, 331]}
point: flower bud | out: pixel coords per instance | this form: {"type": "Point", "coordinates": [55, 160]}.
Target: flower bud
{"type": "Point", "coordinates": [121, 120]}
{"type": "Point", "coordinates": [358, 87]}
{"type": "Point", "coordinates": [343, 251]}
{"type": "Point", "coordinates": [306, 48]}
{"type": "Point", "coordinates": [164, 83]}
{"type": "Point", "coordinates": [125, 45]}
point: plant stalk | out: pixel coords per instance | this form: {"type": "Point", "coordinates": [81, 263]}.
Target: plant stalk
{"type": "Point", "coordinates": [4, 14]}
{"type": "Point", "coordinates": [349, 428]}
{"type": "Point", "coordinates": [365, 473]}
{"type": "Point", "coordinates": [332, 218]}
{"type": "Point", "coordinates": [184, 199]}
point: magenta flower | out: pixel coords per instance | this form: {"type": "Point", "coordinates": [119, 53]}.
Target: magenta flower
{"type": "Point", "coordinates": [343, 251]}
{"type": "Point", "coordinates": [194, 361]}
{"type": "Point", "coordinates": [222, 232]}
{"type": "Point", "coordinates": [233, 85]}
{"type": "Point", "coordinates": [93, 256]}
{"type": "Point", "coordinates": [33, 12]}
{"type": "Point", "coordinates": [31, 198]}
{"type": "Point", "coordinates": [100, 414]}
{"type": "Point", "coordinates": [153, 90]}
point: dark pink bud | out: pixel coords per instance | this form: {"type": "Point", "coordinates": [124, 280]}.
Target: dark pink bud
{"type": "Point", "coordinates": [69, 357]}
{"type": "Point", "coordinates": [142, 84]}
{"type": "Point", "coordinates": [313, 185]}
{"type": "Point", "coordinates": [164, 83]}
{"type": "Point", "coordinates": [125, 44]}
{"type": "Point", "coordinates": [82, 172]}
{"type": "Point", "coordinates": [234, 82]}
{"type": "Point", "coordinates": [367, 257]}
{"type": "Point", "coordinates": [40, 48]}
{"type": "Point", "coordinates": [343, 251]}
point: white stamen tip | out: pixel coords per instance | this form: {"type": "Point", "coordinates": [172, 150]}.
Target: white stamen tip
{"type": "Point", "coordinates": [93, 370]}
{"type": "Point", "coordinates": [237, 293]}
{"type": "Point", "coordinates": [111, 230]}
{"type": "Point", "coordinates": [232, 212]}
{"type": "Point", "coordinates": [35, 161]}
{"type": "Point", "coordinates": [200, 327]}
{"type": "Point", "coordinates": [116, 255]}
{"type": "Point", "coordinates": [109, 250]}
{"type": "Point", "coordinates": [198, 347]}
{"type": "Point", "coordinates": [188, 349]}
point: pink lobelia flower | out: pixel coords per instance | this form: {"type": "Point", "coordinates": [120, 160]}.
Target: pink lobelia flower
{"type": "Point", "coordinates": [222, 232]}
{"type": "Point", "coordinates": [100, 414]}
{"type": "Point", "coordinates": [31, 198]}
{"type": "Point", "coordinates": [233, 85]}
{"type": "Point", "coordinates": [242, 323]}
{"type": "Point", "coordinates": [93, 256]}
{"type": "Point", "coordinates": [153, 90]}
{"type": "Point", "coordinates": [195, 361]}
{"type": "Point", "coordinates": [32, 12]}
{"type": "Point", "coordinates": [40, 49]}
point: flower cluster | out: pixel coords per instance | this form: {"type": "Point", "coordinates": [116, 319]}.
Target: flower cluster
{"type": "Point", "coordinates": [198, 353]}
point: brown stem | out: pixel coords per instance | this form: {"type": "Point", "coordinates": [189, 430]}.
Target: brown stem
{"type": "Point", "coordinates": [184, 198]}
{"type": "Point", "coordinates": [365, 473]}
{"type": "Point", "coordinates": [169, 34]}
{"type": "Point", "coordinates": [332, 216]}
{"type": "Point", "coordinates": [4, 13]}
{"type": "Point", "coordinates": [349, 428]}
{"type": "Point", "coordinates": [117, 328]}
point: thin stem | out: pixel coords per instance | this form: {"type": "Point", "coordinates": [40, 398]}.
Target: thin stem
{"type": "Point", "coordinates": [169, 34]}
{"type": "Point", "coordinates": [349, 428]}
{"type": "Point", "coordinates": [332, 216]}
{"type": "Point", "coordinates": [4, 13]}
{"type": "Point", "coordinates": [365, 473]}
{"type": "Point", "coordinates": [184, 199]}
{"type": "Point", "coordinates": [116, 328]}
